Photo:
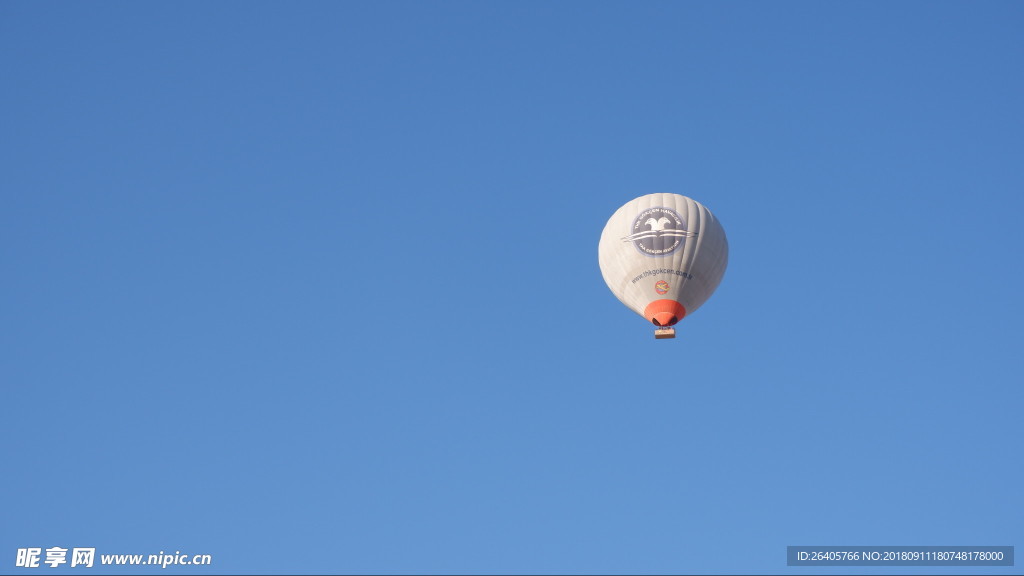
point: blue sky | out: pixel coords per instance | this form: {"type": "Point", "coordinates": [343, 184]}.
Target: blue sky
{"type": "Point", "coordinates": [313, 287]}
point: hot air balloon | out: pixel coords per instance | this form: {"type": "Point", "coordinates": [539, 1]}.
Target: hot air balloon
{"type": "Point", "coordinates": [663, 255]}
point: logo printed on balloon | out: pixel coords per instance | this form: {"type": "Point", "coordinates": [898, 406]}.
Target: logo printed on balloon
{"type": "Point", "coordinates": [661, 287]}
{"type": "Point", "coordinates": [658, 232]}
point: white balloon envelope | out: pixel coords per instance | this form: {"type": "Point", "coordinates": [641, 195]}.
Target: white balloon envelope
{"type": "Point", "coordinates": [663, 255]}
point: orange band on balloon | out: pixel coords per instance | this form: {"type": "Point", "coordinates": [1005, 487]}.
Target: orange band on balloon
{"type": "Point", "coordinates": [664, 312]}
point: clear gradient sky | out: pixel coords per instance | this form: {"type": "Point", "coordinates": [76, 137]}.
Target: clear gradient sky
{"type": "Point", "coordinates": [312, 287]}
